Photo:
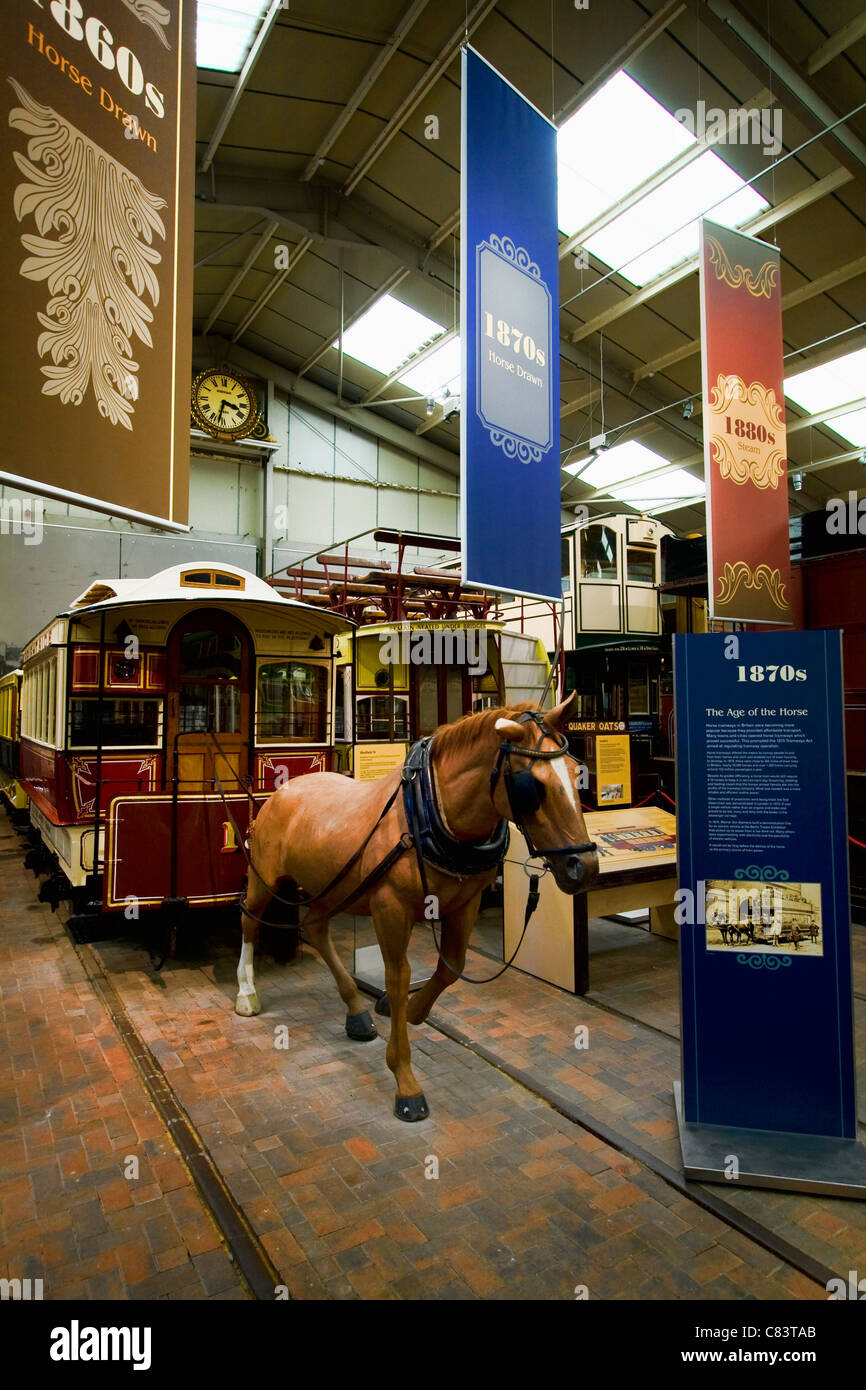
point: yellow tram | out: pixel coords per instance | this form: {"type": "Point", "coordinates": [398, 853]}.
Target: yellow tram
{"type": "Point", "coordinates": [11, 789]}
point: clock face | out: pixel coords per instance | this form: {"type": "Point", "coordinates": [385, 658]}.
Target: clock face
{"type": "Point", "coordinates": [223, 404]}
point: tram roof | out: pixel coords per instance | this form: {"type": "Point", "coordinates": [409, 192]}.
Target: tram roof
{"type": "Point", "coordinates": [198, 583]}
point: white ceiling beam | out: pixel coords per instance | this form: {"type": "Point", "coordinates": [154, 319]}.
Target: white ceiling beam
{"type": "Point", "coordinates": [836, 44]}
{"type": "Point", "coordinates": [789, 301]}
{"type": "Point", "coordinates": [788, 74]}
{"type": "Point", "coordinates": [244, 76]}
{"type": "Point", "coordinates": [271, 288]}
{"type": "Point", "coordinates": [590, 397]}
{"type": "Point", "coordinates": [414, 361]}
{"type": "Point", "coordinates": [373, 72]}
{"type": "Point", "coordinates": [419, 91]}
{"type": "Point", "coordinates": [239, 276]}
{"type": "Point", "coordinates": [394, 279]}
{"type": "Point", "coordinates": [822, 188]}
{"type": "Point", "coordinates": [634, 45]}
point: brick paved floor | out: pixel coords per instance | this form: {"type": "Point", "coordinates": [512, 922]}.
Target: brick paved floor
{"type": "Point", "coordinates": [526, 1204]}
{"type": "Point", "coordinates": [72, 1114]}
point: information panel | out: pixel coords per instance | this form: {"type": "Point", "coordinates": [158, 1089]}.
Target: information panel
{"type": "Point", "coordinates": [763, 906]}
{"type": "Point", "coordinates": [510, 474]}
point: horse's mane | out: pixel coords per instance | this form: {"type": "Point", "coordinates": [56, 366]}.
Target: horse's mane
{"type": "Point", "coordinates": [468, 731]}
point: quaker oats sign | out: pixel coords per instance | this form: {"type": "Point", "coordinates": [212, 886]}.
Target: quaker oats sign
{"type": "Point", "coordinates": [96, 235]}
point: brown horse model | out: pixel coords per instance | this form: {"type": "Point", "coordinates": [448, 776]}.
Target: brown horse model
{"type": "Point", "coordinates": [309, 829]}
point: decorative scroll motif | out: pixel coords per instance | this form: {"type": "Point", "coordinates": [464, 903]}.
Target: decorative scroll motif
{"type": "Point", "coordinates": [765, 468]}
{"type": "Point", "coordinates": [768, 874]}
{"type": "Point", "coordinates": [759, 283]}
{"type": "Point", "coordinates": [143, 771]}
{"type": "Point", "coordinates": [98, 265]}
{"type": "Point", "coordinates": [515, 448]}
{"type": "Point", "coordinates": [762, 577]}
{"type": "Point", "coordinates": [504, 246]}
{"type": "Point", "coordinates": [154, 15]}
{"type": "Point", "coordinates": [763, 962]}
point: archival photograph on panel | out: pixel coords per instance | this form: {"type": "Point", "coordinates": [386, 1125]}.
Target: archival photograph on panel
{"type": "Point", "coordinates": [778, 918]}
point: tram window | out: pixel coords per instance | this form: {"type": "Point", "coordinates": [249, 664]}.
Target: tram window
{"type": "Point", "coordinates": [210, 656]}
{"type": "Point", "coordinates": [564, 564]}
{"type": "Point", "coordinates": [641, 565]}
{"type": "Point", "coordinates": [292, 702]}
{"type": "Point", "coordinates": [638, 688]}
{"type": "Point", "coordinates": [125, 723]}
{"type": "Point", "coordinates": [374, 715]}
{"type": "Point", "coordinates": [598, 553]}
{"type": "Point", "coordinates": [209, 709]}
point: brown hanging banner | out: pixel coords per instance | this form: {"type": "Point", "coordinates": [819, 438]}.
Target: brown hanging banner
{"type": "Point", "coordinates": [745, 465]}
{"type": "Point", "coordinates": [98, 129]}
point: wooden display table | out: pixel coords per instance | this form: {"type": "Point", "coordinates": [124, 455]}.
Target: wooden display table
{"type": "Point", "coordinates": [638, 863]}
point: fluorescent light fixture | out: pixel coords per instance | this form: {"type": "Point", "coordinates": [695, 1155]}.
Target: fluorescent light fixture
{"type": "Point", "coordinates": [224, 32]}
{"type": "Point", "coordinates": [613, 144]}
{"type": "Point", "coordinates": [834, 383]}
{"type": "Point", "coordinates": [626, 460]}
{"type": "Point", "coordinates": [438, 373]}
{"type": "Point", "coordinates": [664, 491]}
{"type": "Point", "coordinates": [388, 333]}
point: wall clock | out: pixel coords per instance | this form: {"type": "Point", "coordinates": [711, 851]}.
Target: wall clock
{"type": "Point", "coordinates": [223, 404]}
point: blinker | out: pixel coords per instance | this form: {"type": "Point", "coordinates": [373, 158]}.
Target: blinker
{"type": "Point", "coordinates": [525, 792]}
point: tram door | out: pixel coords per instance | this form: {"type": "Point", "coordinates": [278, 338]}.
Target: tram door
{"type": "Point", "coordinates": [208, 702]}
{"type": "Point", "coordinates": [442, 694]}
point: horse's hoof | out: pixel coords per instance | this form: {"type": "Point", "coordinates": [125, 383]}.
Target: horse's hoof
{"type": "Point", "coordinates": [411, 1108]}
{"type": "Point", "coordinates": [247, 1005]}
{"type": "Point", "coordinates": [360, 1027]}
{"type": "Point", "coordinates": [382, 1006]}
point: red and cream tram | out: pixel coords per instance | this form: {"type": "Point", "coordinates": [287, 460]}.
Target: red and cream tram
{"type": "Point", "coordinates": [154, 714]}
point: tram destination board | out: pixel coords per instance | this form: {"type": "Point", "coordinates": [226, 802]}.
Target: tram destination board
{"type": "Point", "coordinates": [763, 907]}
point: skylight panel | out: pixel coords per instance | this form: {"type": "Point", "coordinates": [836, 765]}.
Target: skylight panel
{"type": "Point", "coordinates": [438, 373]}
{"type": "Point", "coordinates": [652, 494]}
{"type": "Point", "coordinates": [626, 460]}
{"type": "Point", "coordinates": [695, 190]}
{"type": "Point", "coordinates": [225, 30]}
{"type": "Point", "coordinates": [616, 141]}
{"type": "Point", "coordinates": [834, 383]}
{"type": "Point", "coordinates": [388, 333]}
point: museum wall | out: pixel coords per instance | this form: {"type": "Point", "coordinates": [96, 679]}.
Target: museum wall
{"type": "Point", "coordinates": [328, 480]}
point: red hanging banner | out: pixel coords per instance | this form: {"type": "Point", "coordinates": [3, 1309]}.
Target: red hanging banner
{"type": "Point", "coordinates": [745, 465]}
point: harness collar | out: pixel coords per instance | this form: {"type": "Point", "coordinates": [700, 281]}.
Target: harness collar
{"type": "Point", "coordinates": [457, 858]}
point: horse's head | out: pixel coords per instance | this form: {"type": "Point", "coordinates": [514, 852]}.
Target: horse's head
{"type": "Point", "coordinates": [536, 786]}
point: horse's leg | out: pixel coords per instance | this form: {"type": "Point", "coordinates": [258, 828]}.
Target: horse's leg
{"type": "Point", "coordinates": [456, 931]}
{"type": "Point", "coordinates": [359, 1024]}
{"type": "Point", "coordinates": [247, 1003]}
{"type": "Point", "coordinates": [393, 930]}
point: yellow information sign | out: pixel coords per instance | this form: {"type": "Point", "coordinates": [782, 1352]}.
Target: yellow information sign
{"type": "Point", "coordinates": [612, 769]}
{"type": "Point", "coordinates": [374, 760]}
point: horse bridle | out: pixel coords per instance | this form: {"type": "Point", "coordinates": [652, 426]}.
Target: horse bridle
{"type": "Point", "coordinates": [525, 793]}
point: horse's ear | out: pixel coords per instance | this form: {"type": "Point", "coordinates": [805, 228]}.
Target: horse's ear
{"type": "Point", "coordinates": [557, 715]}
{"type": "Point", "coordinates": [510, 728]}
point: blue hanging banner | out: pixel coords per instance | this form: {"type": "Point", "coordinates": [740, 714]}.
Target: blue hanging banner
{"type": "Point", "coordinates": [763, 903]}
{"type": "Point", "coordinates": [509, 418]}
